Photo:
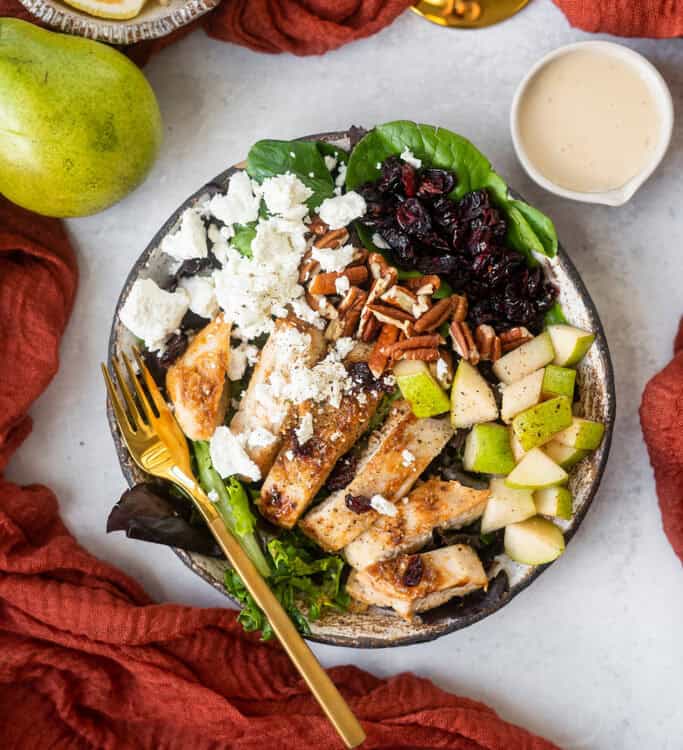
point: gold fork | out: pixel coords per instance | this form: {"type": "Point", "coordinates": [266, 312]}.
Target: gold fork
{"type": "Point", "coordinates": [158, 446]}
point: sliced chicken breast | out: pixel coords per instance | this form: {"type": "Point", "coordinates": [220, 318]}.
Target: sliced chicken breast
{"type": "Point", "coordinates": [435, 504]}
{"type": "Point", "coordinates": [292, 342]}
{"type": "Point", "coordinates": [300, 471]}
{"type": "Point", "coordinates": [393, 461]}
{"type": "Point", "coordinates": [196, 381]}
{"type": "Point", "coordinates": [415, 583]}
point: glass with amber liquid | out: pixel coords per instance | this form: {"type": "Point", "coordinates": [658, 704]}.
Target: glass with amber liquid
{"type": "Point", "coordinates": [468, 14]}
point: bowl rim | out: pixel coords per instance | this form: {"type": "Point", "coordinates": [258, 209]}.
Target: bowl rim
{"type": "Point", "coordinates": [374, 642]}
{"type": "Point", "coordinates": [659, 89]}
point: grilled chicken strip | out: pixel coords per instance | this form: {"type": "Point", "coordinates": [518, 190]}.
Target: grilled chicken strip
{"type": "Point", "coordinates": [435, 504]}
{"type": "Point", "coordinates": [300, 471]}
{"type": "Point", "coordinates": [392, 463]}
{"type": "Point", "coordinates": [196, 381]}
{"type": "Point", "coordinates": [415, 583]}
{"type": "Point", "coordinates": [285, 348]}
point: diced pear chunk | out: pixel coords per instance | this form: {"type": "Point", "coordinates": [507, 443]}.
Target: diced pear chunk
{"type": "Point", "coordinates": [564, 455]}
{"type": "Point", "coordinates": [506, 506]}
{"type": "Point", "coordinates": [558, 381]}
{"type": "Point", "coordinates": [519, 396]}
{"type": "Point", "coordinates": [537, 425]}
{"type": "Point", "coordinates": [518, 452]}
{"type": "Point", "coordinates": [582, 434]}
{"type": "Point", "coordinates": [554, 501]}
{"type": "Point", "coordinates": [570, 343]}
{"type": "Point", "coordinates": [472, 400]}
{"type": "Point", "coordinates": [488, 450]}
{"type": "Point", "coordinates": [526, 359]}
{"type": "Point", "coordinates": [535, 541]}
{"type": "Point", "coordinates": [535, 471]}
{"type": "Point", "coordinates": [420, 389]}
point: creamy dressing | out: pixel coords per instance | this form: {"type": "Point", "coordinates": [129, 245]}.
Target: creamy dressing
{"type": "Point", "coordinates": [588, 122]}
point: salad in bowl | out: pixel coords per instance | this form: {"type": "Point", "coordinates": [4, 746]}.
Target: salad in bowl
{"type": "Point", "coordinates": [365, 341]}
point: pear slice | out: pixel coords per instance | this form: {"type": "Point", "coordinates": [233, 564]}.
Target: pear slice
{"type": "Point", "coordinates": [472, 400]}
{"type": "Point", "coordinates": [518, 452]}
{"type": "Point", "coordinates": [554, 501]}
{"type": "Point", "coordinates": [521, 395]}
{"type": "Point", "coordinates": [488, 450]}
{"type": "Point", "coordinates": [537, 425]}
{"type": "Point", "coordinates": [570, 343]}
{"type": "Point", "coordinates": [506, 506]}
{"type": "Point", "coordinates": [582, 434]}
{"type": "Point", "coordinates": [420, 389]}
{"type": "Point", "coordinates": [558, 381]}
{"type": "Point", "coordinates": [535, 471]}
{"type": "Point", "coordinates": [526, 359]}
{"type": "Point", "coordinates": [564, 455]}
{"type": "Point", "coordinates": [535, 541]}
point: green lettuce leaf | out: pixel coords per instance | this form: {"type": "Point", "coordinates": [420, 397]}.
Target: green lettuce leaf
{"type": "Point", "coordinates": [529, 230]}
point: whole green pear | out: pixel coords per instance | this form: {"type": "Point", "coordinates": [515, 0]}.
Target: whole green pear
{"type": "Point", "coordinates": [80, 126]}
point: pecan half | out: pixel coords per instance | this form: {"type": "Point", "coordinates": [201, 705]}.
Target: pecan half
{"type": "Point", "coordinates": [399, 296]}
{"type": "Point", "coordinates": [325, 283]}
{"type": "Point", "coordinates": [318, 226]}
{"type": "Point", "coordinates": [488, 343]}
{"type": "Point", "coordinates": [349, 311]}
{"type": "Point", "coordinates": [333, 238]}
{"type": "Point", "coordinates": [393, 316]}
{"type": "Point", "coordinates": [378, 359]}
{"type": "Point", "coordinates": [463, 343]}
{"type": "Point", "coordinates": [460, 307]}
{"type": "Point", "coordinates": [379, 286]}
{"type": "Point", "coordinates": [514, 338]}
{"type": "Point", "coordinates": [423, 284]}
{"type": "Point", "coordinates": [430, 341]}
{"type": "Point", "coordinates": [425, 355]}
{"type": "Point", "coordinates": [435, 316]}
{"type": "Point", "coordinates": [371, 329]}
{"type": "Point", "coordinates": [378, 266]}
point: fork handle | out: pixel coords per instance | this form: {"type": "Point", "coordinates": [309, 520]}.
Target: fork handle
{"type": "Point", "coordinates": [322, 687]}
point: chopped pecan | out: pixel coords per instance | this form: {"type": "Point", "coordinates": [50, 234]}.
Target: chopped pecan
{"type": "Point", "coordinates": [308, 268]}
{"type": "Point", "coordinates": [424, 355]}
{"type": "Point", "coordinates": [318, 226]}
{"type": "Point", "coordinates": [371, 329]}
{"type": "Point", "coordinates": [333, 238]}
{"type": "Point", "coordinates": [463, 343]}
{"type": "Point", "coordinates": [393, 316]}
{"type": "Point", "coordinates": [378, 265]}
{"type": "Point", "coordinates": [429, 341]}
{"type": "Point", "coordinates": [325, 283]}
{"type": "Point", "coordinates": [399, 296]}
{"type": "Point", "coordinates": [424, 303]}
{"type": "Point", "coordinates": [378, 359]}
{"type": "Point", "coordinates": [460, 307]}
{"type": "Point", "coordinates": [423, 284]}
{"type": "Point", "coordinates": [321, 305]}
{"type": "Point", "coordinates": [488, 343]}
{"type": "Point", "coordinates": [435, 316]}
{"type": "Point", "coordinates": [349, 312]}
{"type": "Point", "coordinates": [514, 338]}
{"type": "Point", "coordinates": [379, 286]}
{"type": "Point", "coordinates": [360, 257]}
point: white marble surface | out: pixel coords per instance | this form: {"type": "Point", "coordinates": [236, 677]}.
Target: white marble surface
{"type": "Point", "coordinates": [591, 655]}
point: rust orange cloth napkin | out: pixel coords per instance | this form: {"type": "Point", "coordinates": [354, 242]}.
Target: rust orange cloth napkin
{"type": "Point", "coordinates": [649, 18]}
{"type": "Point", "coordinates": [661, 417]}
{"type": "Point", "coordinates": [88, 662]}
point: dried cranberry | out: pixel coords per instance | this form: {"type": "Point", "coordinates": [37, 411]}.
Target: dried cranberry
{"type": "Point", "coordinates": [303, 449]}
{"type": "Point", "coordinates": [472, 204]}
{"type": "Point", "coordinates": [390, 180]}
{"type": "Point", "coordinates": [342, 474]}
{"type": "Point", "coordinates": [413, 218]}
{"type": "Point", "coordinates": [357, 503]}
{"type": "Point", "coordinates": [412, 574]}
{"type": "Point", "coordinates": [408, 179]}
{"type": "Point", "coordinates": [361, 376]}
{"type": "Point", "coordinates": [442, 265]}
{"type": "Point", "coordinates": [176, 344]}
{"type": "Point", "coordinates": [433, 244]}
{"type": "Point", "coordinates": [435, 182]}
{"type": "Point", "coordinates": [401, 245]}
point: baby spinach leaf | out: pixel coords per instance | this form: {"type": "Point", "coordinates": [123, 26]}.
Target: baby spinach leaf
{"type": "Point", "coordinates": [303, 158]}
{"type": "Point", "coordinates": [242, 239]}
{"type": "Point", "coordinates": [328, 149]}
{"type": "Point", "coordinates": [555, 315]}
{"type": "Point", "coordinates": [529, 230]}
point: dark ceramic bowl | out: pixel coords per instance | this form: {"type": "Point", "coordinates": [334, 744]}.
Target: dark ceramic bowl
{"type": "Point", "coordinates": [377, 628]}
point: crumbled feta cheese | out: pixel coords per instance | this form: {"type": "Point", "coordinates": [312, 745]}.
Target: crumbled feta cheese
{"type": "Point", "coordinates": [340, 179]}
{"type": "Point", "coordinates": [304, 432]}
{"type": "Point", "coordinates": [285, 195]}
{"type": "Point", "coordinates": [292, 154]}
{"type": "Point", "coordinates": [333, 259]}
{"type": "Point", "coordinates": [342, 285]}
{"type": "Point", "coordinates": [343, 346]}
{"type": "Point", "coordinates": [229, 457]}
{"type": "Point", "coordinates": [441, 370]}
{"type": "Point", "coordinates": [239, 205]}
{"type": "Point", "coordinates": [240, 356]}
{"type": "Point", "coordinates": [202, 294]}
{"type": "Point", "coordinates": [409, 157]}
{"type": "Point", "coordinates": [340, 211]}
{"type": "Point", "coordinates": [383, 506]}
{"type": "Point", "coordinates": [380, 242]}
{"type": "Point", "coordinates": [151, 313]}
{"type": "Point", "coordinates": [260, 438]}
{"type": "Point", "coordinates": [407, 458]}
{"type": "Point", "coordinates": [330, 162]}
{"type": "Point", "coordinates": [213, 496]}
{"type": "Point", "coordinates": [378, 165]}
{"type": "Point", "coordinates": [189, 241]}
{"type": "Point", "coordinates": [311, 175]}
